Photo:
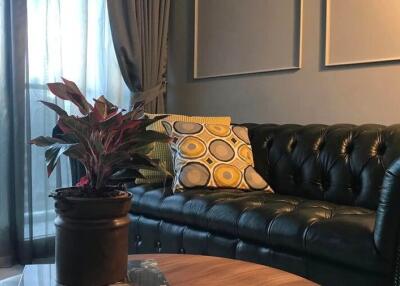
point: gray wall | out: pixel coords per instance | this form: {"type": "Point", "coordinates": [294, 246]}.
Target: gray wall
{"type": "Point", "coordinates": [314, 94]}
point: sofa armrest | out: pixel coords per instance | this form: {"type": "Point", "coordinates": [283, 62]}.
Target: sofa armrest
{"type": "Point", "coordinates": [387, 222]}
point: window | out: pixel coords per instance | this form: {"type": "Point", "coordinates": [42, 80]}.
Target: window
{"type": "Point", "coordinates": [69, 38]}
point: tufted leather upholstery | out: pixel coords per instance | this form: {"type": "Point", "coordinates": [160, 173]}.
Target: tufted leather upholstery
{"type": "Point", "coordinates": [343, 164]}
{"type": "Point", "coordinates": [333, 219]}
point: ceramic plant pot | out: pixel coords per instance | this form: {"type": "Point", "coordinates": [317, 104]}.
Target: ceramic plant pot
{"type": "Point", "coordinates": [91, 240]}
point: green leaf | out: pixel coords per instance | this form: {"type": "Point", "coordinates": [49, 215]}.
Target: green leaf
{"type": "Point", "coordinates": [99, 110]}
{"type": "Point", "coordinates": [143, 148]}
{"type": "Point", "coordinates": [147, 122]}
{"type": "Point", "coordinates": [140, 161]}
{"type": "Point", "coordinates": [127, 174]}
{"type": "Point", "coordinates": [103, 110]}
{"type": "Point", "coordinates": [156, 165]}
{"type": "Point", "coordinates": [162, 166]}
{"type": "Point", "coordinates": [70, 138]}
{"type": "Point", "coordinates": [131, 115]}
{"type": "Point", "coordinates": [55, 107]}
{"type": "Point", "coordinates": [79, 153]}
{"type": "Point", "coordinates": [98, 146]}
{"type": "Point", "coordinates": [53, 154]}
{"type": "Point", "coordinates": [76, 124]}
{"type": "Point", "coordinates": [110, 107]}
{"type": "Point", "coordinates": [44, 141]}
{"type": "Point", "coordinates": [154, 136]}
{"type": "Point", "coordinates": [159, 117]}
{"type": "Point", "coordinates": [115, 121]}
{"type": "Point", "coordinates": [148, 136]}
{"type": "Point", "coordinates": [114, 158]}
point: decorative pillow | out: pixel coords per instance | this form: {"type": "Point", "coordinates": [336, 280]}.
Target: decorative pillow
{"type": "Point", "coordinates": [212, 156]}
{"type": "Point", "coordinates": [162, 152]}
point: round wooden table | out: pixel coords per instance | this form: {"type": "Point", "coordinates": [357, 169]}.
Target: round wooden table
{"type": "Point", "coordinates": [197, 270]}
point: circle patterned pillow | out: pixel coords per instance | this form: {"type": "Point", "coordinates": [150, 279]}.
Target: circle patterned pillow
{"type": "Point", "coordinates": [212, 156]}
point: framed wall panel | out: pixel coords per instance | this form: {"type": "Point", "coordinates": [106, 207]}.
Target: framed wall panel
{"type": "Point", "coordinates": [362, 31]}
{"type": "Point", "coordinates": [234, 37]}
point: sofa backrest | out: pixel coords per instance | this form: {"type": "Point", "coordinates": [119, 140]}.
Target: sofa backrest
{"type": "Point", "coordinates": [343, 164]}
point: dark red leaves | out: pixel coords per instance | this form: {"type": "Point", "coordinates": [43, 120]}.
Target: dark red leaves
{"type": "Point", "coordinates": [69, 91]}
{"type": "Point", "coordinates": [111, 144]}
{"type": "Point", "coordinates": [83, 182]}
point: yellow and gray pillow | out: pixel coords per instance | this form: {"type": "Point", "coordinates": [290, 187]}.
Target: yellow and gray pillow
{"type": "Point", "coordinates": [212, 156]}
{"type": "Point", "coordinates": [162, 152]}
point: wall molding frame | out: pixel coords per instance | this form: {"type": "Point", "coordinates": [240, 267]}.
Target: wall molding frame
{"type": "Point", "coordinates": [328, 41]}
{"type": "Point", "coordinates": [297, 49]}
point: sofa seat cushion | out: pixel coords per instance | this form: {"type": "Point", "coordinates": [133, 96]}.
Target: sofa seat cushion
{"type": "Point", "coordinates": [338, 233]}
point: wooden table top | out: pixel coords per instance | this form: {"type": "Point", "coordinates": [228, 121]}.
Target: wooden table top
{"type": "Point", "coordinates": [197, 270]}
{"type": "Point", "coordinates": [188, 270]}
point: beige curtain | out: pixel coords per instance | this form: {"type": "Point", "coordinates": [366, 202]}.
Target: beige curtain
{"type": "Point", "coordinates": [140, 30]}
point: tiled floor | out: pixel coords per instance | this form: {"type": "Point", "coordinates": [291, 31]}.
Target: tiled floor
{"type": "Point", "coordinates": [8, 272]}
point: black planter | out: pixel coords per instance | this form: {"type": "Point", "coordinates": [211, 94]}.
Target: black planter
{"type": "Point", "coordinates": [91, 240]}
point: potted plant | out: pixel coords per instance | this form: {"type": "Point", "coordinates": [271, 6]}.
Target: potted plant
{"type": "Point", "coordinates": [92, 221]}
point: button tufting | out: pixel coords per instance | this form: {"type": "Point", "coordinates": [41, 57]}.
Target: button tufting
{"type": "Point", "coordinates": [292, 144]}
{"type": "Point", "coordinates": [319, 144]}
{"type": "Point", "coordinates": [381, 148]}
{"type": "Point", "coordinates": [351, 178]}
{"type": "Point", "coordinates": [347, 146]}
{"type": "Point", "coordinates": [267, 143]}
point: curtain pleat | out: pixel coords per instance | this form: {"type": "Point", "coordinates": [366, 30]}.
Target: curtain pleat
{"type": "Point", "coordinates": [15, 187]}
{"type": "Point", "coordinates": [140, 31]}
{"type": "Point", "coordinates": [5, 141]}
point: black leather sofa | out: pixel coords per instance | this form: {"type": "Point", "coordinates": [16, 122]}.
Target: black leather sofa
{"type": "Point", "coordinates": [334, 217]}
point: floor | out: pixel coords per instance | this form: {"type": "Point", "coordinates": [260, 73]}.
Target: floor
{"type": "Point", "coordinates": [17, 269]}
{"type": "Point", "coordinates": [12, 271]}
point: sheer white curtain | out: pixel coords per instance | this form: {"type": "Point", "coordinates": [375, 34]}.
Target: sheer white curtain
{"type": "Point", "coordinates": [69, 38]}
